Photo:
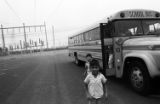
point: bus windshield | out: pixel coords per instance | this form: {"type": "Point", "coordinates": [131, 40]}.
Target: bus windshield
{"type": "Point", "coordinates": [137, 27]}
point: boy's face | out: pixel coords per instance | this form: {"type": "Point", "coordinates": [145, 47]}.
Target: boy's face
{"type": "Point", "coordinates": [95, 70]}
{"type": "Point", "coordinates": [89, 58]}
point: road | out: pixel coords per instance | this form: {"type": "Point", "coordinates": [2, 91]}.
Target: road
{"type": "Point", "coordinates": [53, 78]}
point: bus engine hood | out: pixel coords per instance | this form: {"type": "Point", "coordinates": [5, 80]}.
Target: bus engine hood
{"type": "Point", "coordinates": [145, 48]}
{"type": "Point", "coordinates": [144, 42]}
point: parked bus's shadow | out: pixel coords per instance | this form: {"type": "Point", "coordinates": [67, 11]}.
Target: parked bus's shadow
{"type": "Point", "coordinates": [155, 89]}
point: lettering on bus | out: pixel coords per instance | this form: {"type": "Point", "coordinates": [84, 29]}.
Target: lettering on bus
{"type": "Point", "coordinates": [148, 14]}
{"type": "Point", "coordinates": [136, 14]}
{"type": "Point", "coordinates": [140, 14]}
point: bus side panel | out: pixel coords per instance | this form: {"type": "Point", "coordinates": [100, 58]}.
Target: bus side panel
{"type": "Point", "coordinates": [82, 51]}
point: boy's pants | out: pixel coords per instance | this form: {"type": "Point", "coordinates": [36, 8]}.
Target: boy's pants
{"type": "Point", "coordinates": [97, 101]}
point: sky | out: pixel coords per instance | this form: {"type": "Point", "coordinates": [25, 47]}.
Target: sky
{"type": "Point", "coordinates": [67, 16]}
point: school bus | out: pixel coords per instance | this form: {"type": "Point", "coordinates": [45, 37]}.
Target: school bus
{"type": "Point", "coordinates": [126, 44]}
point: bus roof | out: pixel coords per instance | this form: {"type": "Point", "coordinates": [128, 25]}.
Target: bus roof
{"type": "Point", "coordinates": [124, 14]}
{"type": "Point", "coordinates": [135, 14]}
{"type": "Point", "coordinates": [89, 28]}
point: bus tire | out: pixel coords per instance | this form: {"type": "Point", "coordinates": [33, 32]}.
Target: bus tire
{"type": "Point", "coordinates": [139, 77]}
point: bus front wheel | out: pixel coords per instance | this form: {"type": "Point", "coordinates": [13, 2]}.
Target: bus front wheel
{"type": "Point", "coordinates": [139, 77]}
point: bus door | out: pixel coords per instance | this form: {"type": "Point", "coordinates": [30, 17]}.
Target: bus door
{"type": "Point", "coordinates": [107, 50]}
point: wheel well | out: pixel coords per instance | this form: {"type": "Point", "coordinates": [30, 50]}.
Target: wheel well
{"type": "Point", "coordinates": [75, 54]}
{"type": "Point", "coordinates": [127, 63]}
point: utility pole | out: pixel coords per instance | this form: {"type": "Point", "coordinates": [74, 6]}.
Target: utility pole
{"type": "Point", "coordinates": [53, 37]}
{"type": "Point", "coordinates": [46, 34]}
{"type": "Point", "coordinates": [3, 36]}
{"type": "Point", "coordinates": [25, 38]}
{"type": "Point", "coordinates": [20, 42]}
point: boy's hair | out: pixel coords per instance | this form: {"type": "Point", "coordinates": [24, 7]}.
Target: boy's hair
{"type": "Point", "coordinates": [94, 63]}
{"type": "Point", "coordinates": [89, 55]}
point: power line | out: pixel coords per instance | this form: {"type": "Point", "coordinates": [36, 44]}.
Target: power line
{"type": "Point", "coordinates": [56, 9]}
{"type": "Point", "coordinates": [10, 7]}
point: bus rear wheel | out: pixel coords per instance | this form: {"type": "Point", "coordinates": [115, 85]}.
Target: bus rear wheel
{"type": "Point", "coordinates": [76, 61]}
{"type": "Point", "coordinates": [139, 77]}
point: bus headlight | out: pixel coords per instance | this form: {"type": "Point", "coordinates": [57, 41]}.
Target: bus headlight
{"type": "Point", "coordinates": [122, 15]}
{"type": "Point", "coordinates": [157, 14]}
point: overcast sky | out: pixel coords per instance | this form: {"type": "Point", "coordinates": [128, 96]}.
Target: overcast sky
{"type": "Point", "coordinates": [67, 16]}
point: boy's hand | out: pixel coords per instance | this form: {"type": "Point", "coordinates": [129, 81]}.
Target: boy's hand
{"type": "Point", "coordinates": [106, 96]}
{"type": "Point", "coordinates": [89, 96]}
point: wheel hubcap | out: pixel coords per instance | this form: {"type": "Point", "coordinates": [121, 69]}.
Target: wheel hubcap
{"type": "Point", "coordinates": [137, 78]}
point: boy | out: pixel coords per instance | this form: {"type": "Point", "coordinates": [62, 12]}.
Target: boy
{"type": "Point", "coordinates": [87, 64]}
{"type": "Point", "coordinates": [95, 85]}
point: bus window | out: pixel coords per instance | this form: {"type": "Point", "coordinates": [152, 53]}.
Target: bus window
{"type": "Point", "coordinates": [86, 36]}
{"type": "Point", "coordinates": [109, 30]}
{"type": "Point", "coordinates": [94, 34]}
{"type": "Point", "coordinates": [157, 26]}
{"type": "Point", "coordinates": [90, 35]}
{"type": "Point", "coordinates": [137, 27]}
{"type": "Point", "coordinates": [75, 40]}
{"type": "Point", "coordinates": [151, 27]}
{"type": "Point", "coordinates": [128, 28]}
{"type": "Point", "coordinates": [80, 38]}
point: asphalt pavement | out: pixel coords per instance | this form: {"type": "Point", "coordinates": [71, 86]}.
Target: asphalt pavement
{"type": "Point", "coordinates": [53, 78]}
